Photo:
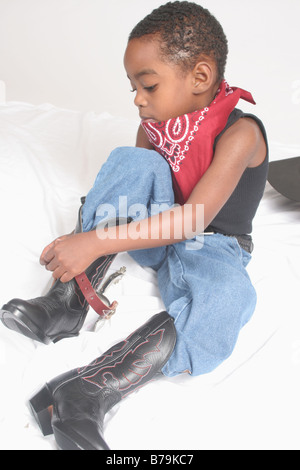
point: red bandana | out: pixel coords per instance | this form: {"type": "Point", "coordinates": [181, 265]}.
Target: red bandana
{"type": "Point", "coordinates": [187, 142]}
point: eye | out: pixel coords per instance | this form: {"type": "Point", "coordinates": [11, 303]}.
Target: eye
{"type": "Point", "coordinates": [133, 90]}
{"type": "Point", "coordinates": [150, 88]}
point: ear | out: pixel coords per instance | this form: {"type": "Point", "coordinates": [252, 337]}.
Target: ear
{"type": "Point", "coordinates": [204, 76]}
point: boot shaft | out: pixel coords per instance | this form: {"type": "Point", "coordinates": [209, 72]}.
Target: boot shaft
{"type": "Point", "coordinates": [129, 364]}
{"type": "Point", "coordinates": [95, 273]}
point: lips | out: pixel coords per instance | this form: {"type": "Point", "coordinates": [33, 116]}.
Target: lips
{"type": "Point", "coordinates": [147, 120]}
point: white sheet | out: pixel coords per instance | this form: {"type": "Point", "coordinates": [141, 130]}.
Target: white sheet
{"type": "Point", "coordinates": [48, 159]}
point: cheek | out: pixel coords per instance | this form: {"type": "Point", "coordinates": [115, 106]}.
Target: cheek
{"type": "Point", "coordinates": [175, 98]}
{"type": "Point", "coordinates": [179, 102]}
{"type": "Point", "coordinates": [171, 102]}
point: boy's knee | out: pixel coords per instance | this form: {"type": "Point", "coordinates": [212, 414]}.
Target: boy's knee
{"type": "Point", "coordinates": [136, 155]}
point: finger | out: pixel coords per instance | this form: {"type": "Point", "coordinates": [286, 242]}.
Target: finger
{"type": "Point", "coordinates": [47, 253]}
{"type": "Point", "coordinates": [66, 277]}
{"type": "Point", "coordinates": [45, 257]}
{"type": "Point", "coordinates": [58, 273]}
{"type": "Point", "coordinates": [49, 256]}
{"type": "Point", "coordinates": [53, 265]}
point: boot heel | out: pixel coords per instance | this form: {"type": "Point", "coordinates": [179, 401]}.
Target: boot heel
{"type": "Point", "coordinates": [40, 405]}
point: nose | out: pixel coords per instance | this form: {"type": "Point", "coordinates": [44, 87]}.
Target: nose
{"type": "Point", "coordinates": [140, 100]}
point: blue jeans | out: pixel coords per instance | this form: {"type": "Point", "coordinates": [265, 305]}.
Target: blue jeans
{"type": "Point", "coordinates": [207, 290]}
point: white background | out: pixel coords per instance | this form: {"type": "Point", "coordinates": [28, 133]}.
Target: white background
{"type": "Point", "coordinates": [70, 53]}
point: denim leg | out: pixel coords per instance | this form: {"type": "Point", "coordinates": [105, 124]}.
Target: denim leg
{"type": "Point", "coordinates": [133, 182]}
{"type": "Point", "coordinates": [207, 291]}
{"type": "Point", "coordinates": [210, 296]}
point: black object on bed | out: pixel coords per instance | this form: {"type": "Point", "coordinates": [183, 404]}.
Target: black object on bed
{"type": "Point", "coordinates": [284, 176]}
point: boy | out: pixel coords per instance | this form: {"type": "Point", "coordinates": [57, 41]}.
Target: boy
{"type": "Point", "coordinates": [213, 156]}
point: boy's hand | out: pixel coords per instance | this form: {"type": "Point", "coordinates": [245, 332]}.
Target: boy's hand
{"type": "Point", "coordinates": [69, 255]}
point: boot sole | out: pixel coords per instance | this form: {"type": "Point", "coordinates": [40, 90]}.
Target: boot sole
{"type": "Point", "coordinates": [16, 320]}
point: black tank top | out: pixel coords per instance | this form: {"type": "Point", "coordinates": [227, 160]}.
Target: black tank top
{"type": "Point", "coordinates": [236, 216]}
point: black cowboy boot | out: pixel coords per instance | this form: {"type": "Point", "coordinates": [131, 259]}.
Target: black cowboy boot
{"type": "Point", "coordinates": [62, 311]}
{"type": "Point", "coordinates": [81, 398]}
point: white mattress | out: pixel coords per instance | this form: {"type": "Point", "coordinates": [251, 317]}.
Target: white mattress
{"type": "Point", "coordinates": [49, 157]}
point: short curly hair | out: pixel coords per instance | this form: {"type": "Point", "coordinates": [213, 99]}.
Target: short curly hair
{"type": "Point", "coordinates": [185, 31]}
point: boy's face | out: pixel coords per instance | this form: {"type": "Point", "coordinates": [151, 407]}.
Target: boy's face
{"type": "Point", "coordinates": [162, 90]}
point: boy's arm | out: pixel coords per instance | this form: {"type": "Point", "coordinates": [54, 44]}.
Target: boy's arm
{"type": "Point", "coordinates": [241, 146]}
